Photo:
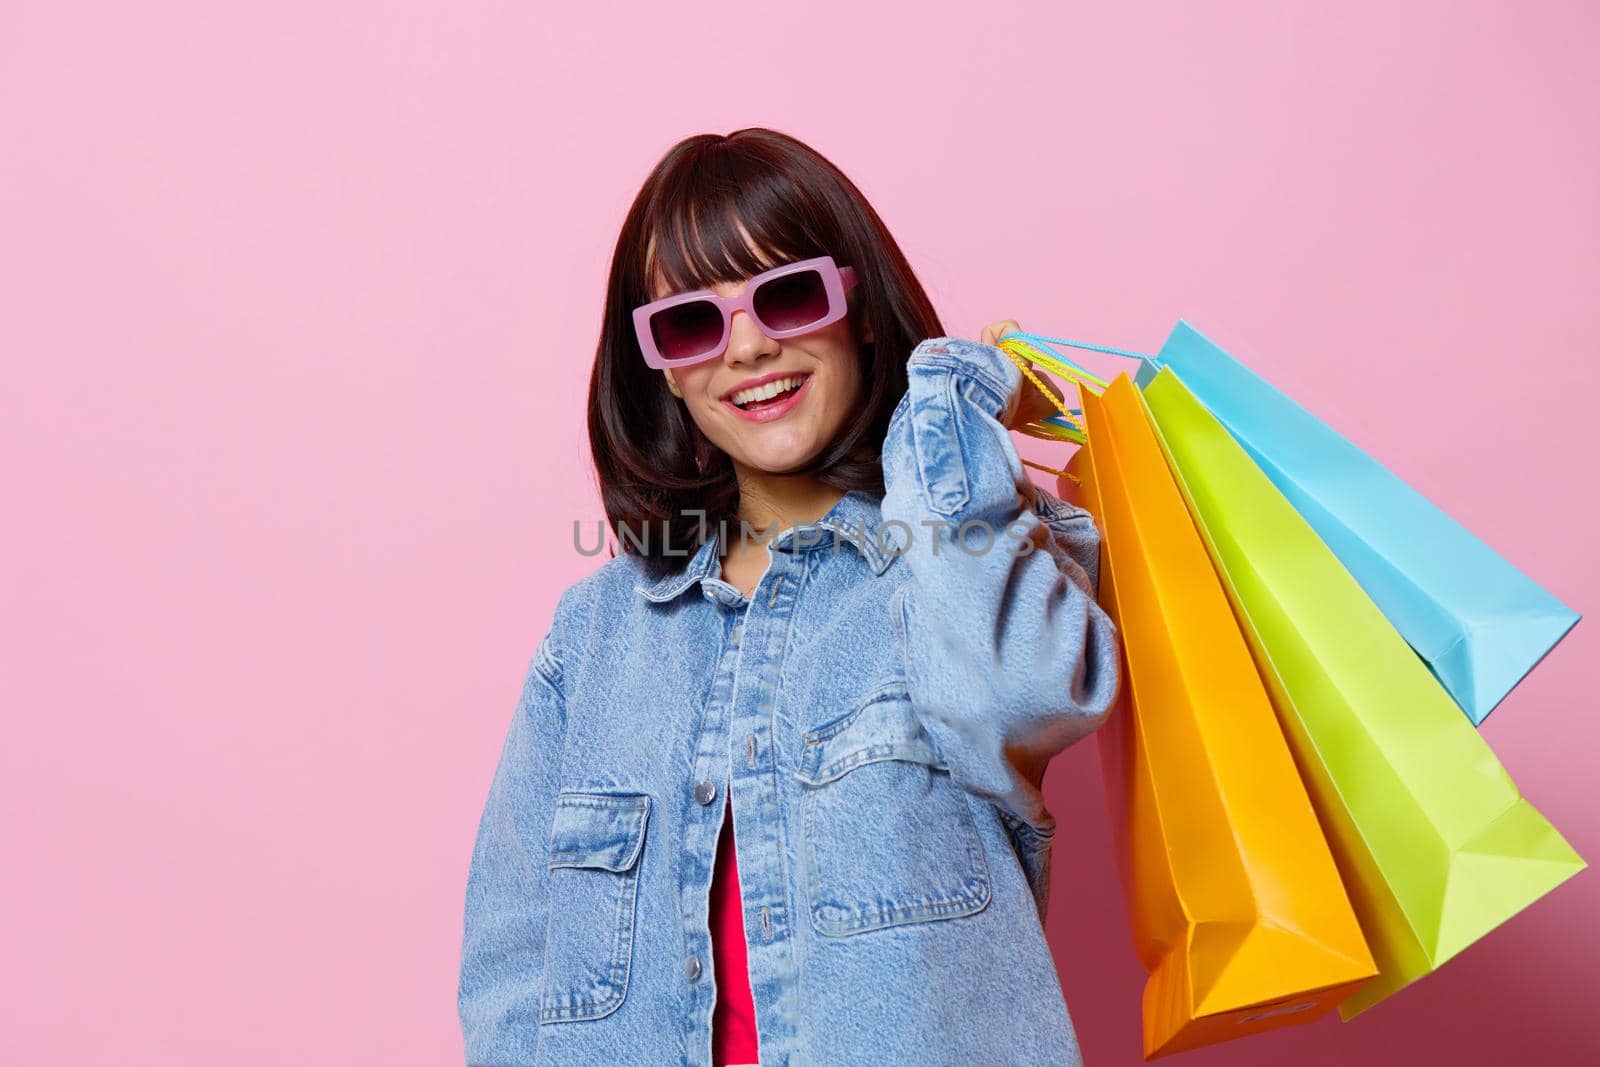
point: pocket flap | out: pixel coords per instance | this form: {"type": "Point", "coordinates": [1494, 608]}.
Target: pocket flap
{"type": "Point", "coordinates": [884, 726]}
{"type": "Point", "coordinates": [603, 830]}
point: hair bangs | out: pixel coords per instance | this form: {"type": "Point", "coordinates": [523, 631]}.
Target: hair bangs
{"type": "Point", "coordinates": [720, 222]}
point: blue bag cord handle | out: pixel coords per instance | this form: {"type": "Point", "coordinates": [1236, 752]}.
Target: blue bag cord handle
{"type": "Point", "coordinates": [1045, 342]}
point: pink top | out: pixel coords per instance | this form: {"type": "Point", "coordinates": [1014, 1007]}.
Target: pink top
{"type": "Point", "coordinates": [733, 1019]}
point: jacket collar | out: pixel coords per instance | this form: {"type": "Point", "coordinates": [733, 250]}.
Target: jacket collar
{"type": "Point", "coordinates": [853, 520]}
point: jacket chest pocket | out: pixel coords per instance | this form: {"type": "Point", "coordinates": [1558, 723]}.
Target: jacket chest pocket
{"type": "Point", "coordinates": [887, 835]}
{"type": "Point", "coordinates": [593, 879]}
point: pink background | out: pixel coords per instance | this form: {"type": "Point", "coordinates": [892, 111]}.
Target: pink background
{"type": "Point", "coordinates": [297, 304]}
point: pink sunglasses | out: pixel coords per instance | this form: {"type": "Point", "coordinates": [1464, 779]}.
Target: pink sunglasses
{"type": "Point", "coordinates": [792, 299]}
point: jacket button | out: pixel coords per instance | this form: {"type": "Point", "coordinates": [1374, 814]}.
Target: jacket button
{"type": "Point", "coordinates": [705, 792]}
{"type": "Point", "coordinates": [738, 632]}
{"type": "Point", "coordinates": [691, 967]}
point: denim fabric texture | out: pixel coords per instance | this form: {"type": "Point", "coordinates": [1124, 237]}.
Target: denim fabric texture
{"type": "Point", "coordinates": [881, 707]}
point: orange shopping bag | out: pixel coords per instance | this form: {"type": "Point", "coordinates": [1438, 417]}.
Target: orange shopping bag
{"type": "Point", "coordinates": [1238, 910]}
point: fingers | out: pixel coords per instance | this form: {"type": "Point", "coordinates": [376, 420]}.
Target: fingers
{"type": "Point", "coordinates": [995, 330]}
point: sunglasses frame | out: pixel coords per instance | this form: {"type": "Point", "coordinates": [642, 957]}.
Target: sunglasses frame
{"type": "Point", "coordinates": [836, 282]}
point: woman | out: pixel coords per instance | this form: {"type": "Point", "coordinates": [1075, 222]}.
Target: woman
{"type": "Point", "coordinates": [772, 789]}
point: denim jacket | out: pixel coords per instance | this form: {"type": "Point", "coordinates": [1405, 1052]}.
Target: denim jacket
{"type": "Point", "coordinates": [880, 708]}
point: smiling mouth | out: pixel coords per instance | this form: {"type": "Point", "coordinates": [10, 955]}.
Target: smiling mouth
{"type": "Point", "coordinates": [769, 395]}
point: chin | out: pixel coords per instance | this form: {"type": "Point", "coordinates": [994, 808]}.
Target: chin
{"type": "Point", "coordinates": [787, 464]}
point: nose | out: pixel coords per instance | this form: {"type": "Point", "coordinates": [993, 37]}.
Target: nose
{"type": "Point", "coordinates": [746, 342]}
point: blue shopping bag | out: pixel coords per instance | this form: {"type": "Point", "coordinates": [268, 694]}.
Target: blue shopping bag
{"type": "Point", "coordinates": [1479, 623]}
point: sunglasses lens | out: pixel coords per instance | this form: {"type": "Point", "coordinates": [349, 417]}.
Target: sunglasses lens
{"type": "Point", "coordinates": [792, 301]}
{"type": "Point", "coordinates": [684, 331]}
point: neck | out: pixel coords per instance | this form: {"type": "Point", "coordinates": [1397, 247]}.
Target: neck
{"type": "Point", "coordinates": [783, 500]}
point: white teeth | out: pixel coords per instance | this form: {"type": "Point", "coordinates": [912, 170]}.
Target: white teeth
{"type": "Point", "coordinates": [768, 391]}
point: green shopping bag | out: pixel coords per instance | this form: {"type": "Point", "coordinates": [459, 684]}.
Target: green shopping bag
{"type": "Point", "coordinates": [1435, 843]}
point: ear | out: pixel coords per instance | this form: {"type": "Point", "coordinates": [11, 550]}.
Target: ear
{"type": "Point", "coordinates": [672, 384]}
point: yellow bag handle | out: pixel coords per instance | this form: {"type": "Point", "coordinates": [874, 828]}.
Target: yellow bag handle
{"type": "Point", "coordinates": [1021, 354]}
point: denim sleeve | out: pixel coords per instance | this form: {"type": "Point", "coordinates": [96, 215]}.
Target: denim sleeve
{"type": "Point", "coordinates": [502, 948]}
{"type": "Point", "coordinates": [1009, 659]}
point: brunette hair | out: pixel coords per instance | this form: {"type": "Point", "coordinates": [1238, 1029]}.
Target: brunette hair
{"type": "Point", "coordinates": [653, 463]}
